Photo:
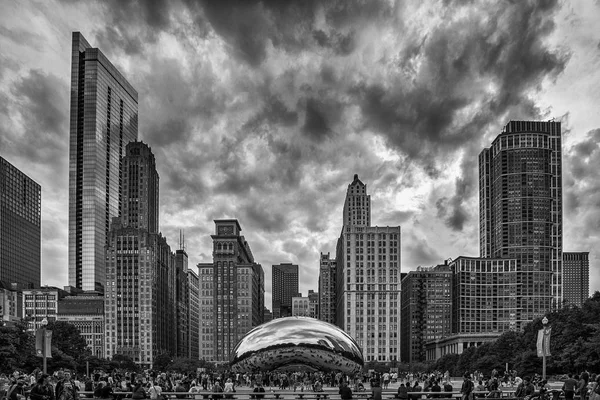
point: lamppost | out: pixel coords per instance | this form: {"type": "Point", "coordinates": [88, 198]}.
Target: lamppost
{"type": "Point", "coordinates": [43, 334]}
{"type": "Point", "coordinates": [545, 345]}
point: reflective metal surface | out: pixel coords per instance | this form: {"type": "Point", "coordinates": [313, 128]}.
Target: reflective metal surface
{"type": "Point", "coordinates": [297, 343]}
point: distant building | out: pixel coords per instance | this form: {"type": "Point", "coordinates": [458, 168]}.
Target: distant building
{"type": "Point", "coordinates": [426, 310]}
{"type": "Point", "coordinates": [40, 304]}
{"type": "Point", "coordinates": [104, 118]}
{"type": "Point", "coordinates": [141, 316]}
{"type": "Point", "coordinates": [327, 291]}
{"type": "Point", "coordinates": [368, 279]}
{"type": "Point", "coordinates": [11, 304]}
{"type": "Point", "coordinates": [231, 294]}
{"type": "Point", "coordinates": [520, 194]}
{"type": "Point", "coordinates": [86, 312]}
{"type": "Point", "coordinates": [576, 278]}
{"type": "Point", "coordinates": [484, 304]}
{"type": "Point", "coordinates": [182, 300]}
{"type": "Point", "coordinates": [20, 227]}
{"type": "Point", "coordinates": [300, 307]}
{"type": "Point", "coordinates": [194, 314]}
{"type": "Point", "coordinates": [313, 304]}
{"type": "Point", "coordinates": [284, 287]}
{"type": "Point", "coordinates": [267, 315]}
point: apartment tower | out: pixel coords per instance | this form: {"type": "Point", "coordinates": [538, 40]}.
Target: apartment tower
{"type": "Point", "coordinates": [104, 118]}
{"type": "Point", "coordinates": [520, 194]}
{"type": "Point", "coordinates": [327, 299]}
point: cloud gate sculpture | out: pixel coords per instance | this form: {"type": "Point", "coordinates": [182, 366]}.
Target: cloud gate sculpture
{"type": "Point", "coordinates": [297, 343]}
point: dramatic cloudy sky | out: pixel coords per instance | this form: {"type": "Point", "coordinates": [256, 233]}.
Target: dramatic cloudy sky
{"type": "Point", "coordinates": [264, 111]}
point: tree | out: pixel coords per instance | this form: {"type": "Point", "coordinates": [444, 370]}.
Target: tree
{"type": "Point", "coordinates": [124, 362]}
{"type": "Point", "coordinates": [67, 340]}
{"type": "Point", "coordinates": [162, 361]}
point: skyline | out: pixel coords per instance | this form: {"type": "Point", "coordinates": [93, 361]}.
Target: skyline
{"type": "Point", "coordinates": [268, 123]}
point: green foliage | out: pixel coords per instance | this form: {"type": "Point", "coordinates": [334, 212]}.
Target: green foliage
{"type": "Point", "coordinates": [574, 346]}
{"type": "Point", "coordinates": [162, 361]}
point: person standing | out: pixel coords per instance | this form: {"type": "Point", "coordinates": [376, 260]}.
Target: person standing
{"type": "Point", "coordinates": [43, 390]}
{"type": "Point", "coordinates": [467, 387]}
{"type": "Point", "coordinates": [375, 391]}
{"type": "Point", "coordinates": [345, 391]}
{"type": "Point", "coordinates": [569, 387]}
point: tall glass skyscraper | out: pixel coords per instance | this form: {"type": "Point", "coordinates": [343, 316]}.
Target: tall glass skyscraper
{"type": "Point", "coordinates": [520, 194]}
{"type": "Point", "coordinates": [20, 227]}
{"type": "Point", "coordinates": [104, 118]}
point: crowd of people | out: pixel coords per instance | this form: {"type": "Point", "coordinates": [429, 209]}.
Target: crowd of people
{"type": "Point", "coordinates": [62, 385]}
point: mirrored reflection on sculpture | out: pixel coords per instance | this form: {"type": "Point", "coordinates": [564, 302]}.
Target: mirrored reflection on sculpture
{"type": "Point", "coordinates": [297, 343]}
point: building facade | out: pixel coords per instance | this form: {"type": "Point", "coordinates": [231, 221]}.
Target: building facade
{"type": "Point", "coordinates": [20, 227]}
{"type": "Point", "coordinates": [520, 186]}
{"type": "Point", "coordinates": [86, 312]}
{"type": "Point", "coordinates": [231, 293]}
{"type": "Point", "coordinates": [141, 316]}
{"type": "Point", "coordinates": [11, 304]}
{"type": "Point", "coordinates": [300, 306]}
{"type": "Point", "coordinates": [194, 314]}
{"type": "Point", "coordinates": [327, 296]}
{"type": "Point", "coordinates": [40, 304]}
{"type": "Point", "coordinates": [576, 278]}
{"type": "Point", "coordinates": [284, 286]}
{"type": "Point", "coordinates": [104, 118]}
{"type": "Point", "coordinates": [426, 310]}
{"type": "Point", "coordinates": [182, 300]}
{"type": "Point", "coordinates": [368, 279]}
{"type": "Point", "coordinates": [313, 304]}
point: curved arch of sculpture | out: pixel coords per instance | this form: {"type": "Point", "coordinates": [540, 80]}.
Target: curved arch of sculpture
{"type": "Point", "coordinates": [297, 343]}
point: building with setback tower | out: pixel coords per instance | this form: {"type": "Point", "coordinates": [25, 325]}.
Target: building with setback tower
{"type": "Point", "coordinates": [104, 118]}
{"type": "Point", "coordinates": [520, 194]}
{"type": "Point", "coordinates": [232, 293]}
{"type": "Point", "coordinates": [368, 279]}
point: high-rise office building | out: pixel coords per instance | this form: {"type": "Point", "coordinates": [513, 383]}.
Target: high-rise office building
{"type": "Point", "coordinates": [576, 278]}
{"type": "Point", "coordinates": [426, 310]}
{"type": "Point", "coordinates": [327, 280]}
{"type": "Point", "coordinates": [20, 227]}
{"type": "Point", "coordinates": [520, 194]}
{"type": "Point", "coordinates": [231, 293]}
{"type": "Point", "coordinates": [313, 304]}
{"type": "Point", "coordinates": [194, 314]}
{"type": "Point", "coordinates": [181, 301]}
{"type": "Point", "coordinates": [140, 294]}
{"type": "Point", "coordinates": [104, 118]}
{"type": "Point", "coordinates": [284, 286]}
{"type": "Point", "coordinates": [368, 279]}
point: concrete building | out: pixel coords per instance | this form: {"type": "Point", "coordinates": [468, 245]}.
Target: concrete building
{"type": "Point", "coordinates": [231, 293]}
{"type": "Point", "coordinates": [194, 314]}
{"type": "Point", "coordinates": [182, 300]}
{"type": "Point", "coordinates": [368, 279]}
{"type": "Point", "coordinates": [11, 304]}
{"type": "Point", "coordinates": [140, 297]}
{"type": "Point", "coordinates": [267, 315]}
{"type": "Point", "coordinates": [284, 287]}
{"type": "Point", "coordinates": [300, 306]}
{"type": "Point", "coordinates": [576, 278]}
{"type": "Point", "coordinates": [520, 193]}
{"type": "Point", "coordinates": [426, 310]}
{"type": "Point", "coordinates": [86, 312]}
{"type": "Point", "coordinates": [104, 118]}
{"type": "Point", "coordinates": [40, 304]}
{"type": "Point", "coordinates": [313, 304]}
{"type": "Point", "coordinates": [20, 227]}
{"type": "Point", "coordinates": [327, 280]}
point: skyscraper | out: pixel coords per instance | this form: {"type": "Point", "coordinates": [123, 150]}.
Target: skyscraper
{"type": "Point", "coordinates": [520, 185]}
{"type": "Point", "coordinates": [20, 227]}
{"type": "Point", "coordinates": [368, 278]}
{"type": "Point", "coordinates": [140, 295]}
{"type": "Point", "coordinates": [327, 288]}
{"type": "Point", "coordinates": [426, 310]}
{"type": "Point", "coordinates": [284, 287]}
{"type": "Point", "coordinates": [231, 293]}
{"type": "Point", "coordinates": [104, 118]}
{"type": "Point", "coordinates": [576, 278]}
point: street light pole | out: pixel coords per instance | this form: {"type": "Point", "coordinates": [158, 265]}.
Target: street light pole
{"type": "Point", "coordinates": [43, 328]}
{"type": "Point", "coordinates": [544, 338]}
